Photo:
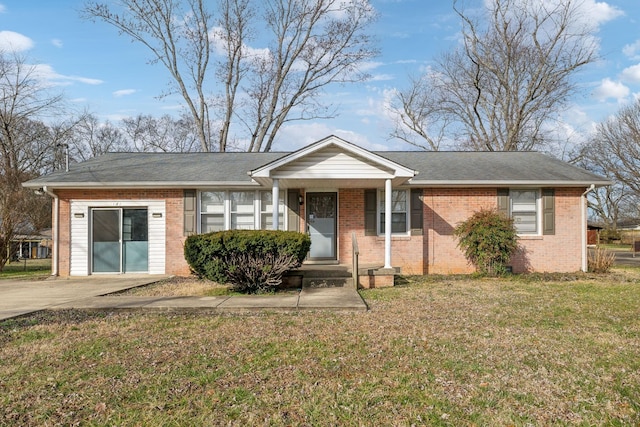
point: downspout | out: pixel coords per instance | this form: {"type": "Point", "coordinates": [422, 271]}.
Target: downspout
{"type": "Point", "coordinates": [583, 207]}
{"type": "Point", "coordinates": [56, 225]}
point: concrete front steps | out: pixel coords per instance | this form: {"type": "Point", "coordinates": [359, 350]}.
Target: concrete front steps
{"type": "Point", "coordinates": [338, 275]}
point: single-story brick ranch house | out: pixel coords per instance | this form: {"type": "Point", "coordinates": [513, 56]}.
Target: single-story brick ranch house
{"type": "Point", "coordinates": [131, 212]}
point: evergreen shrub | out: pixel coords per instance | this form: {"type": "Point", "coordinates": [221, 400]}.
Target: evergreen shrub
{"type": "Point", "coordinates": [488, 240]}
{"type": "Point", "coordinates": [250, 260]}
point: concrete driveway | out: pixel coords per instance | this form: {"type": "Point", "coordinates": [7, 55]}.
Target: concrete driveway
{"type": "Point", "coordinates": [18, 297]}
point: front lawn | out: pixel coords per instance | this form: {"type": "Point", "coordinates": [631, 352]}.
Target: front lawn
{"type": "Point", "coordinates": [27, 269]}
{"type": "Point", "coordinates": [436, 351]}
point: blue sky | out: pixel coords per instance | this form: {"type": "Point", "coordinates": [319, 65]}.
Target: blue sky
{"type": "Point", "coordinates": [108, 74]}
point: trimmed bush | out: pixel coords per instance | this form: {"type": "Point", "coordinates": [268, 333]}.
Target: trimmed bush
{"type": "Point", "coordinates": [488, 240]}
{"type": "Point", "coordinates": [250, 260]}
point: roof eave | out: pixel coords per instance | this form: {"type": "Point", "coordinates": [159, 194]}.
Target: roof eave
{"type": "Point", "coordinates": [143, 185]}
{"type": "Point", "coordinates": [505, 183]}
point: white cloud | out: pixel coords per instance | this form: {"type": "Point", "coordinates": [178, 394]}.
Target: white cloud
{"type": "Point", "coordinates": [124, 92]}
{"type": "Point", "coordinates": [600, 12]}
{"type": "Point", "coordinates": [14, 42]}
{"type": "Point", "coordinates": [3, 8]}
{"type": "Point", "coordinates": [631, 74]}
{"type": "Point", "coordinates": [381, 77]}
{"type": "Point", "coordinates": [56, 42]}
{"type": "Point", "coordinates": [610, 89]}
{"type": "Point", "coordinates": [591, 12]}
{"type": "Point", "coordinates": [632, 50]}
{"type": "Point", "coordinates": [295, 136]}
{"type": "Point", "coordinates": [49, 76]}
{"type": "Point", "coordinates": [216, 36]}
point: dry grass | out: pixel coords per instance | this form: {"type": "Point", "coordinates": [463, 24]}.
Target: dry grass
{"type": "Point", "coordinates": [541, 350]}
{"type": "Point", "coordinates": [180, 286]}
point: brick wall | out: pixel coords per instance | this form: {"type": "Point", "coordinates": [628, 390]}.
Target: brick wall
{"type": "Point", "coordinates": [406, 250]}
{"type": "Point", "coordinates": [436, 251]}
{"type": "Point", "coordinates": [174, 257]}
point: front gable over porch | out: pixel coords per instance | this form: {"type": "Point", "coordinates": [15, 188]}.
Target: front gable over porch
{"type": "Point", "coordinates": [332, 162]}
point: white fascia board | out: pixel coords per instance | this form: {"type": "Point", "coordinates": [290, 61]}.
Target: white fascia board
{"type": "Point", "coordinates": [142, 184]}
{"type": "Point", "coordinates": [519, 183]}
{"type": "Point", "coordinates": [399, 170]}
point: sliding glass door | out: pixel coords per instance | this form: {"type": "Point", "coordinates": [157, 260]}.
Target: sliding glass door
{"type": "Point", "coordinates": [120, 241]}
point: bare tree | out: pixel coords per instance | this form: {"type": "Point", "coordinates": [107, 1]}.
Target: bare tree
{"type": "Point", "coordinates": [506, 82]}
{"type": "Point", "coordinates": [164, 134]}
{"type": "Point", "coordinates": [25, 147]}
{"type": "Point", "coordinates": [311, 44]}
{"type": "Point", "coordinates": [614, 151]}
{"type": "Point", "coordinates": [86, 137]}
{"type": "Point", "coordinates": [233, 33]}
{"type": "Point", "coordinates": [606, 204]}
{"type": "Point", "coordinates": [177, 34]}
{"type": "Point", "coordinates": [315, 43]}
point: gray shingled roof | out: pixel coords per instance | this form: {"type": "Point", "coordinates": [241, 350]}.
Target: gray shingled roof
{"type": "Point", "coordinates": [201, 169]}
{"type": "Point", "coordinates": [491, 167]}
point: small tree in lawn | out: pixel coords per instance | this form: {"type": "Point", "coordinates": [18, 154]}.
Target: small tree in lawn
{"type": "Point", "coordinates": [488, 240]}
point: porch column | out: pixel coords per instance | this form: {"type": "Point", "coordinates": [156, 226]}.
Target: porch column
{"type": "Point", "coordinates": [387, 223]}
{"type": "Point", "coordinates": [275, 196]}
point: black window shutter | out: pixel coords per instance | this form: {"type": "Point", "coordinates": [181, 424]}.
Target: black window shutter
{"type": "Point", "coordinates": [548, 211]}
{"type": "Point", "coordinates": [189, 203]}
{"type": "Point", "coordinates": [293, 210]}
{"type": "Point", "coordinates": [503, 201]}
{"type": "Point", "coordinates": [370, 213]}
{"type": "Point", "coordinates": [416, 212]}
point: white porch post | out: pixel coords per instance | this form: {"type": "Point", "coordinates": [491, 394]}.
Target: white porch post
{"type": "Point", "coordinates": [275, 199]}
{"type": "Point", "coordinates": [387, 223]}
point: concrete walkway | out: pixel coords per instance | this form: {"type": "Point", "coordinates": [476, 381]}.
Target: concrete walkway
{"type": "Point", "coordinates": [20, 297]}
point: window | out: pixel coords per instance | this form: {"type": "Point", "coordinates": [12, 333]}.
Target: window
{"type": "Point", "coordinates": [532, 210]}
{"type": "Point", "coordinates": [524, 207]}
{"type": "Point", "coordinates": [266, 211]}
{"type": "Point", "coordinates": [212, 211]}
{"type": "Point", "coordinates": [239, 210]}
{"type": "Point", "coordinates": [242, 210]}
{"type": "Point", "coordinates": [399, 211]}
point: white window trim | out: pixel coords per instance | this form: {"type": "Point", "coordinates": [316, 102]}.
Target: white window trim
{"type": "Point", "coordinates": [257, 200]}
{"type": "Point", "coordinates": [538, 210]}
{"type": "Point", "coordinates": [380, 197]}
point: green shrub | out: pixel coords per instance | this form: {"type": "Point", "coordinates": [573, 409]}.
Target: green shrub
{"type": "Point", "coordinates": [488, 240]}
{"type": "Point", "coordinates": [251, 261]}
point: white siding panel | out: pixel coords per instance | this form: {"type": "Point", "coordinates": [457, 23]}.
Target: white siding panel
{"type": "Point", "coordinates": [332, 163]}
{"type": "Point", "coordinates": [80, 232]}
{"type": "Point", "coordinates": [79, 262]}
{"type": "Point", "coordinates": [157, 233]}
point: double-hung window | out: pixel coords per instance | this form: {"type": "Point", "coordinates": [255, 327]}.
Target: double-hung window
{"type": "Point", "coordinates": [212, 209]}
{"type": "Point", "coordinates": [524, 210]}
{"type": "Point", "coordinates": [532, 209]}
{"type": "Point", "coordinates": [242, 210]}
{"type": "Point", "coordinates": [399, 211]}
{"type": "Point", "coordinates": [239, 210]}
{"type": "Point", "coordinates": [266, 211]}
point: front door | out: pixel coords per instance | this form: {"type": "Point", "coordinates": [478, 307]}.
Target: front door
{"type": "Point", "coordinates": [321, 225]}
{"type": "Point", "coordinates": [120, 241]}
